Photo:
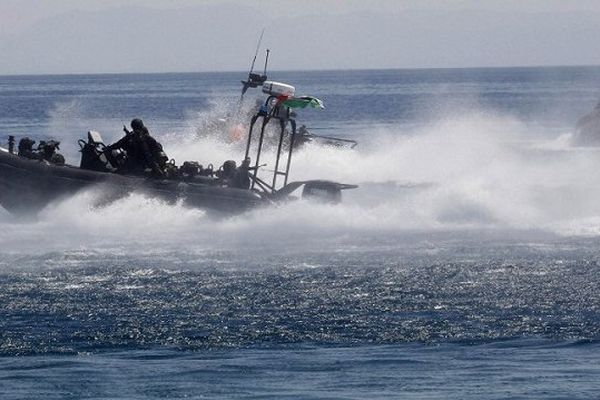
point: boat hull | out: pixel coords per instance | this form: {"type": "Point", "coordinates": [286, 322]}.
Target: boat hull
{"type": "Point", "coordinates": [29, 185]}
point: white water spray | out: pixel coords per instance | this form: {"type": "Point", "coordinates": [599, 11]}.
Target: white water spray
{"type": "Point", "coordinates": [471, 172]}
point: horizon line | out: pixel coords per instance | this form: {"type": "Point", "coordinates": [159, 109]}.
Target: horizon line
{"type": "Point", "coordinates": [299, 70]}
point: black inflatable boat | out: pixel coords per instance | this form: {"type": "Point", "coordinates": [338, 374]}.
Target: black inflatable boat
{"type": "Point", "coordinates": [28, 185]}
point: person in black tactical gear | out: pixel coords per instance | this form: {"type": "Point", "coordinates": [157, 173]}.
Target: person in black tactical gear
{"type": "Point", "coordinates": [26, 148]}
{"type": "Point", "coordinates": [241, 178]}
{"type": "Point", "coordinates": [47, 151]}
{"type": "Point", "coordinates": [227, 172]}
{"type": "Point", "coordinates": [143, 151]}
{"type": "Point", "coordinates": [233, 176]}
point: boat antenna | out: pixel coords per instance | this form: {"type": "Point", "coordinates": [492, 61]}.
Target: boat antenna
{"type": "Point", "coordinates": [266, 62]}
{"type": "Point", "coordinates": [257, 49]}
{"type": "Point", "coordinates": [255, 79]}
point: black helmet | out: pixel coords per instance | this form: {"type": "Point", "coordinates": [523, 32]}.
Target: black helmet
{"type": "Point", "coordinates": [26, 144]}
{"type": "Point", "coordinates": [26, 141]}
{"type": "Point", "coordinates": [137, 124]}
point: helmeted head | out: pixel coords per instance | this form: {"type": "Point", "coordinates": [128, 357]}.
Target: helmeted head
{"type": "Point", "coordinates": [229, 167]}
{"type": "Point", "coordinates": [137, 124]}
{"type": "Point", "coordinates": [26, 144]}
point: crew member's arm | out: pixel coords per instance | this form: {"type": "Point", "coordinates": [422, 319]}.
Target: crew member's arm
{"type": "Point", "coordinates": [120, 144]}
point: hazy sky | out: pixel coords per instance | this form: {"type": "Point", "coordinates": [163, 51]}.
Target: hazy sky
{"type": "Point", "coordinates": [76, 36]}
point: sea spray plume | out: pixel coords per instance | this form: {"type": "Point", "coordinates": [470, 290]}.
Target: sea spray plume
{"type": "Point", "coordinates": [226, 119]}
{"type": "Point", "coordinates": [479, 169]}
{"type": "Point", "coordinates": [205, 122]}
{"type": "Point", "coordinates": [134, 219]}
{"type": "Point", "coordinates": [64, 121]}
{"type": "Point", "coordinates": [70, 120]}
{"type": "Point", "coordinates": [468, 173]}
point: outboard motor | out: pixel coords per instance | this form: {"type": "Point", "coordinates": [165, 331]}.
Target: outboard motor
{"type": "Point", "coordinates": [325, 191]}
{"type": "Point", "coordinates": [92, 154]}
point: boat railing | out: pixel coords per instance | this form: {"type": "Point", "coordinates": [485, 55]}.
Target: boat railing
{"type": "Point", "coordinates": [283, 162]}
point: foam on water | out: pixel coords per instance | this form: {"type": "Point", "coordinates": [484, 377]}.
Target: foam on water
{"type": "Point", "coordinates": [476, 171]}
{"type": "Point", "coordinates": [472, 171]}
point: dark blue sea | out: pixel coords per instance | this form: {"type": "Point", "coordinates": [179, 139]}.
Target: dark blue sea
{"type": "Point", "coordinates": [465, 266]}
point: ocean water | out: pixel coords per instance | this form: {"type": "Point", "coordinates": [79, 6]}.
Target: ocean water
{"type": "Point", "coordinates": [465, 266]}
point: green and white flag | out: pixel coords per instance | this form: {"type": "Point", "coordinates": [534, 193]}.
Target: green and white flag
{"type": "Point", "coordinates": [303, 102]}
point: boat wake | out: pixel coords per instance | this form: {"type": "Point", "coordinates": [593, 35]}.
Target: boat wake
{"type": "Point", "coordinates": [477, 172]}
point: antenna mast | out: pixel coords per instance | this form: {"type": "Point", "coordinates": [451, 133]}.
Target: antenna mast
{"type": "Point", "coordinates": [254, 80]}
{"type": "Point", "coordinates": [256, 52]}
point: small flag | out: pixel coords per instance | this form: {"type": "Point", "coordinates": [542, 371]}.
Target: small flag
{"type": "Point", "coordinates": [303, 102]}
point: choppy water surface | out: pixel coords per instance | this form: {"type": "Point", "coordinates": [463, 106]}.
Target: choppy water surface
{"type": "Point", "coordinates": [327, 298]}
{"type": "Point", "coordinates": [466, 320]}
{"type": "Point", "coordinates": [465, 266]}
